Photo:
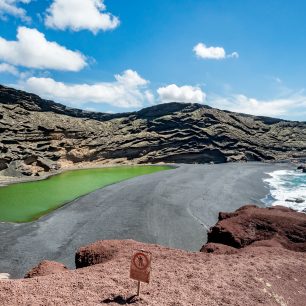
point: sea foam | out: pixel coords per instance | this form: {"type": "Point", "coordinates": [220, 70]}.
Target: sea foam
{"type": "Point", "coordinates": [287, 188]}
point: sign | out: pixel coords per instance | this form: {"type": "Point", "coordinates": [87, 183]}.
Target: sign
{"type": "Point", "coordinates": [141, 266]}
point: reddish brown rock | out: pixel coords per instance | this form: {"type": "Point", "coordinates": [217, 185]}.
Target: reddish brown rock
{"type": "Point", "coordinates": [95, 253]}
{"type": "Point", "coordinates": [265, 272]}
{"type": "Point", "coordinates": [218, 248]}
{"type": "Point", "coordinates": [249, 224]}
{"type": "Point", "coordinates": [254, 276]}
{"type": "Point", "coordinates": [46, 267]}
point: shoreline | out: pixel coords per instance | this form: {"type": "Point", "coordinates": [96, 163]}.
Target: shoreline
{"type": "Point", "coordinates": [9, 180]}
{"type": "Point", "coordinates": [40, 214]}
{"type": "Point", "coordinates": [171, 208]}
{"type": "Point", "coordinates": [287, 188]}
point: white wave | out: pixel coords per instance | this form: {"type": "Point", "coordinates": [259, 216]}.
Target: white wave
{"type": "Point", "coordinates": [287, 188]}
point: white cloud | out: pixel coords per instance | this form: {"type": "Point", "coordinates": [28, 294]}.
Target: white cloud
{"type": "Point", "coordinates": [10, 7]}
{"type": "Point", "coordinates": [188, 94]}
{"type": "Point", "coordinates": [289, 105]}
{"type": "Point", "coordinates": [32, 50]}
{"type": "Point", "coordinates": [6, 68]}
{"type": "Point", "coordinates": [149, 96]}
{"type": "Point", "coordinates": [130, 78]}
{"type": "Point", "coordinates": [216, 53]}
{"type": "Point", "coordinates": [128, 90]}
{"type": "Point", "coordinates": [80, 15]}
{"type": "Point", "coordinates": [234, 55]}
{"type": "Point", "coordinates": [278, 80]}
{"type": "Point", "coordinates": [90, 109]}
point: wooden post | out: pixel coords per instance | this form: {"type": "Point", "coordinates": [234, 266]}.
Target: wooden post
{"type": "Point", "coordinates": [138, 288]}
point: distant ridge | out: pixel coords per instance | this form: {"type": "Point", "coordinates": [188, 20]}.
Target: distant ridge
{"type": "Point", "coordinates": [33, 102]}
{"type": "Point", "coordinates": [39, 135]}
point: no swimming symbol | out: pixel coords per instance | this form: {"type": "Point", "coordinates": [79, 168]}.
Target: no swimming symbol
{"type": "Point", "coordinates": [140, 269]}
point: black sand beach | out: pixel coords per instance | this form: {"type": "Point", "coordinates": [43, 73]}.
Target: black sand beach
{"type": "Point", "coordinates": [173, 208]}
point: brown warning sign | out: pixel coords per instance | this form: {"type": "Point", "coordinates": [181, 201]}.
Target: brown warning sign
{"type": "Point", "coordinates": [141, 266]}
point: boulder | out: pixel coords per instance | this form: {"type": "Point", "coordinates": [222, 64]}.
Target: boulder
{"type": "Point", "coordinates": [3, 164]}
{"type": "Point", "coordinates": [302, 167]}
{"type": "Point", "coordinates": [45, 163]}
{"type": "Point", "coordinates": [95, 253]}
{"type": "Point", "coordinates": [295, 200]}
{"type": "Point", "coordinates": [249, 224]}
{"type": "Point", "coordinates": [46, 267]}
{"type": "Point", "coordinates": [218, 248]}
{"type": "Point", "coordinates": [4, 276]}
{"type": "Point", "coordinates": [17, 168]}
{"type": "Point", "coordinates": [29, 160]}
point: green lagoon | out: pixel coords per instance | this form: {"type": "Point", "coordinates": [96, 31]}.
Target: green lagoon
{"type": "Point", "coordinates": [25, 202]}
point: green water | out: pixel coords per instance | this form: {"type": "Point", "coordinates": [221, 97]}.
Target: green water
{"type": "Point", "coordinates": [26, 202]}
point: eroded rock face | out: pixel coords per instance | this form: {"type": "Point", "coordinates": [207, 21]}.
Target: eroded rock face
{"type": "Point", "coordinates": [96, 253]}
{"type": "Point", "coordinates": [250, 225]}
{"type": "Point", "coordinates": [39, 136]}
{"type": "Point", "coordinates": [46, 267]}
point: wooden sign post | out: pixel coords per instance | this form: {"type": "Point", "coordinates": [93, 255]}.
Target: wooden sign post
{"type": "Point", "coordinates": [141, 267]}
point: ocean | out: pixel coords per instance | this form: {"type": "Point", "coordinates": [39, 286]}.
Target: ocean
{"type": "Point", "coordinates": [287, 188]}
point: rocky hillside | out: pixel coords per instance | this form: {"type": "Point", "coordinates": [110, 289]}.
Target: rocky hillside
{"type": "Point", "coordinates": [38, 135]}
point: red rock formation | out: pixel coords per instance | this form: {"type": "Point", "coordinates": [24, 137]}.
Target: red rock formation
{"type": "Point", "coordinates": [251, 225]}
{"type": "Point", "coordinates": [218, 248]}
{"type": "Point", "coordinates": [253, 276]}
{"type": "Point", "coordinates": [262, 269]}
{"type": "Point", "coordinates": [46, 267]}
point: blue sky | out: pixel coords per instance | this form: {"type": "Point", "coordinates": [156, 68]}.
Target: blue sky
{"type": "Point", "coordinates": [119, 55]}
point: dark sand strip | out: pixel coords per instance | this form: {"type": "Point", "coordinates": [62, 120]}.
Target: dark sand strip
{"type": "Point", "coordinates": [172, 208]}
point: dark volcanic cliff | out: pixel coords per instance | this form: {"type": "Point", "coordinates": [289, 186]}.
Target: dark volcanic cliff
{"type": "Point", "coordinates": [39, 135]}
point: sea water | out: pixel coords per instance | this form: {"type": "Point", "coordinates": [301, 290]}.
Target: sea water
{"type": "Point", "coordinates": [287, 188]}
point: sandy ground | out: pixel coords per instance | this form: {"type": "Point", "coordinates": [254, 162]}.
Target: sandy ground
{"type": "Point", "coordinates": [255, 276]}
{"type": "Point", "coordinates": [173, 208]}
